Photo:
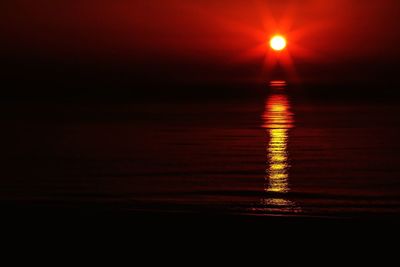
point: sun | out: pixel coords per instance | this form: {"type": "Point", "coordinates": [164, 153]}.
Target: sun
{"type": "Point", "coordinates": [278, 43]}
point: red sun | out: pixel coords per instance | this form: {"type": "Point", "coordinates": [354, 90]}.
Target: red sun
{"type": "Point", "coordinates": [278, 43]}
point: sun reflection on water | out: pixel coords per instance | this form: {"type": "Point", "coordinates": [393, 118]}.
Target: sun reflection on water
{"type": "Point", "coordinates": [278, 120]}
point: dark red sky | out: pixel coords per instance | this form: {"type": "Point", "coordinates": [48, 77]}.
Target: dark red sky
{"type": "Point", "coordinates": [200, 32]}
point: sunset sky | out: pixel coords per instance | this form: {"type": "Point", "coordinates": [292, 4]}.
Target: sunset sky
{"type": "Point", "coordinates": [204, 38]}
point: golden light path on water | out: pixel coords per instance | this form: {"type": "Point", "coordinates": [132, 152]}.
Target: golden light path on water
{"type": "Point", "coordinates": [278, 120]}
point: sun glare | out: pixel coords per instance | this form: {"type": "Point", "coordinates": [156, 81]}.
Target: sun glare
{"type": "Point", "coordinates": [277, 43]}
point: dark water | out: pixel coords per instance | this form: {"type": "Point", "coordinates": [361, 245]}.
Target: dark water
{"type": "Point", "coordinates": [275, 155]}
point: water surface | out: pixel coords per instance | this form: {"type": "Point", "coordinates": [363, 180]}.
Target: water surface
{"type": "Point", "coordinates": [275, 155]}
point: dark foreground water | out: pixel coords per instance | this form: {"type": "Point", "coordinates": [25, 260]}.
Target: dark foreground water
{"type": "Point", "coordinates": [274, 155]}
